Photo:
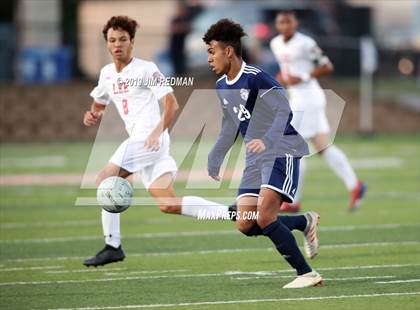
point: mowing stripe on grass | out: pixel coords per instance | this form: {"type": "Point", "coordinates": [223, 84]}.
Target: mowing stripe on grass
{"type": "Point", "coordinates": [219, 251]}
{"type": "Point", "coordinates": [246, 301]}
{"type": "Point", "coordinates": [398, 281]}
{"type": "Point", "coordinates": [194, 234]}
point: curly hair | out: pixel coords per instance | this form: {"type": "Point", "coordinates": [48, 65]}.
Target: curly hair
{"type": "Point", "coordinates": [121, 22]}
{"type": "Point", "coordinates": [228, 32]}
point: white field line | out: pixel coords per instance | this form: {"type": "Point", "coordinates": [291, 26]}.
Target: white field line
{"type": "Point", "coordinates": [86, 270]}
{"type": "Point", "coordinates": [325, 279]}
{"type": "Point", "coordinates": [197, 234]}
{"type": "Point", "coordinates": [30, 268]}
{"type": "Point", "coordinates": [219, 251]}
{"type": "Point", "coordinates": [145, 272]}
{"type": "Point", "coordinates": [134, 236]}
{"type": "Point", "coordinates": [153, 277]}
{"type": "Point", "coordinates": [368, 244]}
{"type": "Point", "coordinates": [159, 276]}
{"type": "Point", "coordinates": [367, 267]}
{"type": "Point", "coordinates": [113, 271]}
{"type": "Point", "coordinates": [72, 223]}
{"type": "Point", "coordinates": [398, 281]}
{"type": "Point", "coordinates": [15, 225]}
{"type": "Point", "coordinates": [242, 301]}
{"type": "Point", "coordinates": [377, 162]}
{"type": "Point", "coordinates": [276, 273]}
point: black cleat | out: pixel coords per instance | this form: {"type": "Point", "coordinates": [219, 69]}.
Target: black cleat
{"type": "Point", "coordinates": [107, 255]}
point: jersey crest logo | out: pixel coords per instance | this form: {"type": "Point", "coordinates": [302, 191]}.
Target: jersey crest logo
{"type": "Point", "coordinates": [244, 94]}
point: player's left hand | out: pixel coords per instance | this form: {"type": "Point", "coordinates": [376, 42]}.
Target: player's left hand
{"type": "Point", "coordinates": [293, 80]}
{"type": "Point", "coordinates": [255, 146]}
{"type": "Point", "coordinates": [152, 142]}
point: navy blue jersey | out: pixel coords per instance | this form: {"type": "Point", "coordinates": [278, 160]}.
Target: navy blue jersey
{"type": "Point", "coordinates": [255, 106]}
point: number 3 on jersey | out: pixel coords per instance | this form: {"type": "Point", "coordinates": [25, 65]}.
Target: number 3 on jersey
{"type": "Point", "coordinates": [125, 106]}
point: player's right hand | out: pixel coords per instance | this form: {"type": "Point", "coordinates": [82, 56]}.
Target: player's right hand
{"type": "Point", "coordinates": [215, 177]}
{"type": "Point", "coordinates": [214, 172]}
{"type": "Point", "coordinates": [90, 118]}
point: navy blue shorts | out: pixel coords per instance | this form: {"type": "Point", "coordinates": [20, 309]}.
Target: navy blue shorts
{"type": "Point", "coordinates": [282, 177]}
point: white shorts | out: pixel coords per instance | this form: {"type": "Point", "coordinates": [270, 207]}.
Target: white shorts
{"type": "Point", "coordinates": [309, 115]}
{"type": "Point", "coordinates": [148, 165]}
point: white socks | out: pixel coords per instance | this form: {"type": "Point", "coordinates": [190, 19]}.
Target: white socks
{"type": "Point", "coordinates": [196, 206]}
{"type": "Point", "coordinates": [191, 206]}
{"type": "Point", "coordinates": [339, 163]}
{"type": "Point", "coordinates": [111, 228]}
{"type": "Point", "coordinates": [302, 169]}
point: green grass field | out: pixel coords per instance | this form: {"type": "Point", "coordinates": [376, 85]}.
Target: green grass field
{"type": "Point", "coordinates": [369, 260]}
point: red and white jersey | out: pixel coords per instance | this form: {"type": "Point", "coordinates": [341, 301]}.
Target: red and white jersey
{"type": "Point", "coordinates": [298, 56]}
{"type": "Point", "coordinates": [134, 93]}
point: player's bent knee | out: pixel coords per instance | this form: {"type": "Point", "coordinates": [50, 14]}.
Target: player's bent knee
{"type": "Point", "coordinates": [264, 221]}
{"type": "Point", "coordinates": [245, 227]}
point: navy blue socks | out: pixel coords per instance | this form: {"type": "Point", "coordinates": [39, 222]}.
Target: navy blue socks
{"type": "Point", "coordinates": [286, 244]}
{"type": "Point", "coordinates": [294, 222]}
{"type": "Point", "coordinates": [291, 222]}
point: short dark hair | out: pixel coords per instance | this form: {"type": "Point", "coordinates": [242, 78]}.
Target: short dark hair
{"type": "Point", "coordinates": [287, 12]}
{"type": "Point", "coordinates": [121, 22]}
{"type": "Point", "coordinates": [228, 32]}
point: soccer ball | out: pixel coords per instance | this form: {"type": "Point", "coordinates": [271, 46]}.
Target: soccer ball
{"type": "Point", "coordinates": [115, 194]}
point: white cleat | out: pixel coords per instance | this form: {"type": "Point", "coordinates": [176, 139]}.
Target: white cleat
{"type": "Point", "coordinates": [310, 241]}
{"type": "Point", "coordinates": [309, 279]}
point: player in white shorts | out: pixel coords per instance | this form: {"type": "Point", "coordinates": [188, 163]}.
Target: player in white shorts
{"type": "Point", "coordinates": [301, 61]}
{"type": "Point", "coordinates": [129, 83]}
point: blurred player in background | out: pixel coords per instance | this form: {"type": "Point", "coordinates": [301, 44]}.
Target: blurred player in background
{"type": "Point", "coordinates": [146, 151]}
{"type": "Point", "coordinates": [301, 62]}
{"type": "Point", "coordinates": [254, 105]}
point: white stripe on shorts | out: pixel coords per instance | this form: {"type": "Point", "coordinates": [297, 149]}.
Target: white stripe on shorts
{"type": "Point", "coordinates": [289, 188]}
{"type": "Point", "coordinates": [287, 181]}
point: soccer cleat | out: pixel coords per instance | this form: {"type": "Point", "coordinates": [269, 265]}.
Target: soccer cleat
{"type": "Point", "coordinates": [309, 279]}
{"type": "Point", "coordinates": [356, 196]}
{"type": "Point", "coordinates": [310, 241]}
{"type": "Point", "coordinates": [107, 255]}
{"type": "Point", "coordinates": [290, 208]}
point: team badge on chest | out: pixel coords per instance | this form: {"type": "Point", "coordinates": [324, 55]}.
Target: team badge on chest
{"type": "Point", "coordinates": [244, 93]}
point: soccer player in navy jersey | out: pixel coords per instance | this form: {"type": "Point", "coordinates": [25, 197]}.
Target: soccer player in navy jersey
{"type": "Point", "coordinates": [254, 105]}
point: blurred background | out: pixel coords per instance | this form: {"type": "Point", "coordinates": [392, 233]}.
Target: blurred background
{"type": "Point", "coordinates": [52, 51]}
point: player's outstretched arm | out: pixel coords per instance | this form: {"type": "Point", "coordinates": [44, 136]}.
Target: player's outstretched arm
{"type": "Point", "coordinates": [91, 117]}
